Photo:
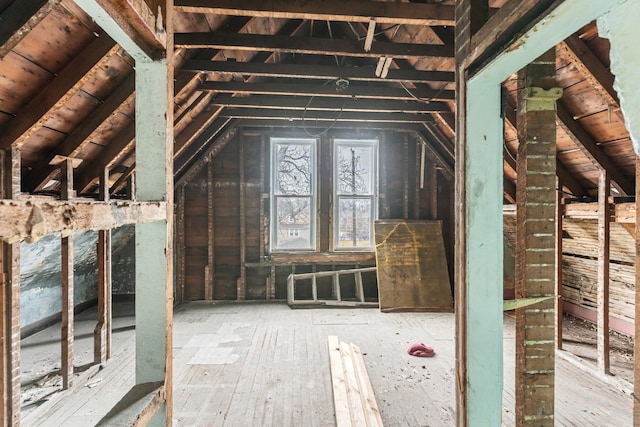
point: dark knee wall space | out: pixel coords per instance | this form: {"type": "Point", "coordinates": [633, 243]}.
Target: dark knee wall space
{"type": "Point", "coordinates": [40, 277]}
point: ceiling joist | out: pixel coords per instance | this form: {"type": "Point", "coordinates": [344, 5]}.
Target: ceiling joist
{"type": "Point", "coordinates": [303, 71]}
{"type": "Point", "coordinates": [372, 92]}
{"type": "Point", "coordinates": [329, 116]}
{"type": "Point", "coordinates": [307, 45]}
{"type": "Point", "coordinates": [590, 148]}
{"type": "Point", "coordinates": [328, 10]}
{"type": "Point", "coordinates": [327, 104]}
{"type": "Point", "coordinates": [19, 18]}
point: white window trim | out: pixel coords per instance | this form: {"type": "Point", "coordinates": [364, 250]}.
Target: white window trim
{"type": "Point", "coordinates": [273, 223]}
{"type": "Point", "coordinates": [337, 142]}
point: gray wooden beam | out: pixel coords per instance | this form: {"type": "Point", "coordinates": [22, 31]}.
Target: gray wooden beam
{"type": "Point", "coordinates": [304, 71]}
{"type": "Point", "coordinates": [328, 10]}
{"type": "Point", "coordinates": [301, 89]}
{"type": "Point", "coordinates": [307, 45]}
{"type": "Point", "coordinates": [589, 147]}
{"type": "Point", "coordinates": [327, 104]}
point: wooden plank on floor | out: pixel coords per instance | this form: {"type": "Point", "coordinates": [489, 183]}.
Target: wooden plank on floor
{"type": "Point", "coordinates": [340, 400]}
{"type": "Point", "coordinates": [369, 403]}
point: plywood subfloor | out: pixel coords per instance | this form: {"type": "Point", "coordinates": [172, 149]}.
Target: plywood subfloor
{"type": "Point", "coordinates": [267, 365]}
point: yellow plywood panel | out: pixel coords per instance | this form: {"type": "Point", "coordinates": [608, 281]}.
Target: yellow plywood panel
{"type": "Point", "coordinates": [412, 266]}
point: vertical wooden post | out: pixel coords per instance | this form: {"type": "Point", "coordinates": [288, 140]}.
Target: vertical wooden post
{"type": "Point", "coordinates": [209, 277]}
{"type": "Point", "coordinates": [559, 280]}
{"type": "Point", "coordinates": [536, 244]}
{"type": "Point", "coordinates": [102, 331]}
{"type": "Point", "coordinates": [405, 177]}
{"type": "Point", "coordinates": [180, 244]}
{"type": "Point", "coordinates": [433, 192]}
{"type": "Point", "coordinates": [470, 15]}
{"type": "Point", "coordinates": [604, 219]}
{"type": "Point", "coordinates": [384, 205]}
{"type": "Point", "coordinates": [154, 245]}
{"type": "Point", "coordinates": [243, 221]}
{"type": "Point", "coordinates": [262, 202]}
{"type": "Point", "coordinates": [636, 342]}
{"type": "Point", "coordinates": [10, 299]}
{"type": "Point", "coordinates": [417, 170]}
{"type": "Point", "coordinates": [67, 283]}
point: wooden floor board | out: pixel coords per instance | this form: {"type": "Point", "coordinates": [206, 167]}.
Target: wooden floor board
{"type": "Point", "coordinates": [267, 365]}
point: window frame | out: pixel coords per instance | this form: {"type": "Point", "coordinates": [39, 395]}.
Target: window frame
{"type": "Point", "coordinates": [275, 141]}
{"type": "Point", "coordinates": [336, 196]}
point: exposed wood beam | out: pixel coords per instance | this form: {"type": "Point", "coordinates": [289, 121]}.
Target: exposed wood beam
{"type": "Point", "coordinates": [282, 123]}
{"type": "Point", "coordinates": [329, 116]}
{"type": "Point", "coordinates": [300, 89]}
{"type": "Point", "coordinates": [88, 171]}
{"type": "Point", "coordinates": [33, 115]}
{"type": "Point", "coordinates": [213, 147]}
{"type": "Point", "coordinates": [306, 45]}
{"type": "Point", "coordinates": [21, 219]}
{"type": "Point", "coordinates": [326, 104]}
{"type": "Point", "coordinates": [10, 389]}
{"type": "Point", "coordinates": [447, 169]}
{"type": "Point", "coordinates": [139, 30]}
{"type": "Point", "coordinates": [304, 71]}
{"type": "Point", "coordinates": [328, 10]}
{"type": "Point", "coordinates": [42, 171]}
{"type": "Point", "coordinates": [567, 179]}
{"type": "Point", "coordinates": [583, 58]}
{"type": "Point", "coordinates": [604, 245]}
{"type": "Point", "coordinates": [102, 330]}
{"type": "Point", "coordinates": [19, 18]}
{"type": "Point", "coordinates": [590, 148]}
{"type": "Point", "coordinates": [636, 309]}
{"type": "Point", "coordinates": [503, 25]}
{"type": "Point", "coordinates": [196, 126]}
{"type": "Point", "coordinates": [559, 270]}
{"type": "Point", "coordinates": [509, 189]}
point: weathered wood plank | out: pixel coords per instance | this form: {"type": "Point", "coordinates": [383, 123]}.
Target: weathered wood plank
{"type": "Point", "coordinates": [326, 103]}
{"type": "Point", "coordinates": [30, 220]}
{"type": "Point", "coordinates": [590, 148]}
{"type": "Point", "coordinates": [19, 18]}
{"type": "Point", "coordinates": [300, 89]}
{"type": "Point", "coordinates": [33, 115]}
{"type": "Point", "coordinates": [327, 116]}
{"type": "Point", "coordinates": [329, 10]}
{"type": "Point", "coordinates": [304, 71]}
{"type": "Point", "coordinates": [338, 381]}
{"type": "Point", "coordinates": [306, 45]}
{"type": "Point", "coordinates": [604, 244]}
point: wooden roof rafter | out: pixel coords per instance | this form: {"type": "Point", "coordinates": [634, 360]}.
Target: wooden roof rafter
{"type": "Point", "coordinates": [302, 71]}
{"type": "Point", "coordinates": [19, 18]}
{"type": "Point", "coordinates": [329, 10]}
{"type": "Point", "coordinates": [36, 112]}
{"type": "Point", "coordinates": [308, 45]}
{"type": "Point", "coordinates": [592, 150]}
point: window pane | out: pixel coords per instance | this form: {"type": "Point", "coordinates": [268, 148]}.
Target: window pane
{"type": "Point", "coordinates": [354, 169]}
{"type": "Point", "coordinates": [354, 223]}
{"type": "Point", "coordinates": [293, 169]}
{"type": "Point", "coordinates": [293, 226]}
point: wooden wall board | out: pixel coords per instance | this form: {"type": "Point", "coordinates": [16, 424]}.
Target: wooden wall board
{"type": "Point", "coordinates": [412, 266]}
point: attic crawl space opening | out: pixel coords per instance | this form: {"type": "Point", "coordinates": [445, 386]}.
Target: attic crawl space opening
{"type": "Point", "coordinates": [479, 175]}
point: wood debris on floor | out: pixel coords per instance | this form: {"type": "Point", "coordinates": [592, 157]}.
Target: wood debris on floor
{"type": "Point", "coordinates": [355, 404]}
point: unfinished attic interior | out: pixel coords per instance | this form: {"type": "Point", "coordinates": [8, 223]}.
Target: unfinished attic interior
{"type": "Point", "coordinates": [246, 213]}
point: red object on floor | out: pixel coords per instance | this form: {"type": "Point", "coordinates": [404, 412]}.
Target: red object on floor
{"type": "Point", "coordinates": [420, 350]}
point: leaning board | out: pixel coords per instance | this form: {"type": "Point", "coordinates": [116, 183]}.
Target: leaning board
{"type": "Point", "coordinates": [412, 266]}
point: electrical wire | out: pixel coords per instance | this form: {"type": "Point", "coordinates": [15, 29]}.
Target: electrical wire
{"type": "Point", "coordinates": [304, 113]}
{"type": "Point", "coordinates": [426, 101]}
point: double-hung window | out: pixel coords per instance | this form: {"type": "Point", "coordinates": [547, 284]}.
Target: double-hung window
{"type": "Point", "coordinates": [355, 193]}
{"type": "Point", "coordinates": [293, 186]}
